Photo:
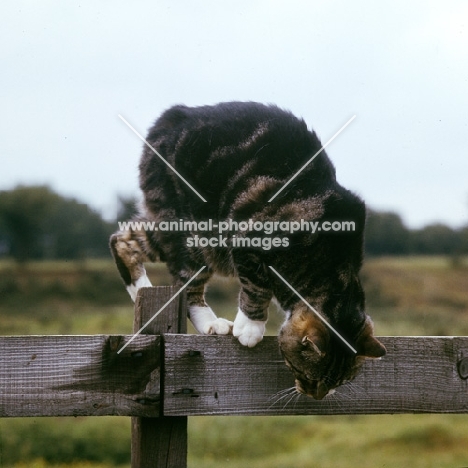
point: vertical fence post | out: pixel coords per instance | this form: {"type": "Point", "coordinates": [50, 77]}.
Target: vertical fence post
{"type": "Point", "coordinates": [160, 442]}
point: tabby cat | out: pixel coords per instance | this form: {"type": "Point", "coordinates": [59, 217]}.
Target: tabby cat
{"type": "Point", "coordinates": [237, 156]}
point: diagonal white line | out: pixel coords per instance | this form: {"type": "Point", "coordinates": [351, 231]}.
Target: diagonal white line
{"type": "Point", "coordinates": [313, 310]}
{"type": "Point", "coordinates": [312, 158]}
{"type": "Point", "coordinates": [161, 309]}
{"type": "Point", "coordinates": [162, 159]}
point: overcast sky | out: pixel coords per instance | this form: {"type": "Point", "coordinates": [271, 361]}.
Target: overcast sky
{"type": "Point", "coordinates": [69, 68]}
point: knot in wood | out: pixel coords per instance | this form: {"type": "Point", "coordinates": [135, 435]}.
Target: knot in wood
{"type": "Point", "coordinates": [463, 368]}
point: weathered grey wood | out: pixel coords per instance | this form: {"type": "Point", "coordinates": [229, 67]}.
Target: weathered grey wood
{"type": "Point", "coordinates": [77, 375]}
{"type": "Point", "coordinates": [208, 375]}
{"type": "Point", "coordinates": [83, 375]}
{"type": "Point", "coordinates": [160, 442]}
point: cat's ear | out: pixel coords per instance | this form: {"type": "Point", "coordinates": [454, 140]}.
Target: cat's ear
{"type": "Point", "coordinates": [306, 327]}
{"type": "Point", "coordinates": [316, 343]}
{"type": "Point", "coordinates": [367, 344]}
{"type": "Point", "coordinates": [371, 347]}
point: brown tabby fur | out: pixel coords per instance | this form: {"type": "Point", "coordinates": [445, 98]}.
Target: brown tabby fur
{"type": "Point", "coordinates": [238, 155]}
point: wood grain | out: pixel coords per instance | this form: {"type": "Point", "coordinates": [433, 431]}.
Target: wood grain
{"type": "Point", "coordinates": [161, 378]}
{"type": "Point", "coordinates": [78, 375]}
{"type": "Point", "coordinates": [204, 375]}
{"type": "Point", "coordinates": [160, 442]}
{"type": "Point", "coordinates": [208, 375]}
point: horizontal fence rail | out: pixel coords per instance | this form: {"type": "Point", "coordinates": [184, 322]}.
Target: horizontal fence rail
{"type": "Point", "coordinates": [78, 375]}
{"type": "Point", "coordinates": [208, 375]}
{"type": "Point", "coordinates": [215, 375]}
{"type": "Point", "coordinates": [163, 375]}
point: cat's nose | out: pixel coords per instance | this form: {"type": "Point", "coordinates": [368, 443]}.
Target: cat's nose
{"type": "Point", "coordinates": [318, 391]}
{"type": "Point", "coordinates": [321, 392]}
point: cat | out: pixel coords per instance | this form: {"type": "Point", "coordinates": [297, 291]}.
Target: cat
{"type": "Point", "coordinates": [231, 159]}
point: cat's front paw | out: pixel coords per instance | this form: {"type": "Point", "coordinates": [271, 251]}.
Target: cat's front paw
{"type": "Point", "coordinates": [219, 326]}
{"type": "Point", "coordinates": [248, 332]}
{"type": "Point", "coordinates": [206, 322]}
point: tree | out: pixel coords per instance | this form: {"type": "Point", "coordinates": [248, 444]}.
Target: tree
{"type": "Point", "coordinates": [37, 223]}
{"type": "Point", "coordinates": [386, 234]}
{"type": "Point", "coordinates": [436, 239]}
{"type": "Point", "coordinates": [24, 212]}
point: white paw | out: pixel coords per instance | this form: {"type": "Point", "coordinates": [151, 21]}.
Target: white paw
{"type": "Point", "coordinates": [219, 326]}
{"type": "Point", "coordinates": [205, 321]}
{"type": "Point", "coordinates": [248, 332]}
{"type": "Point", "coordinates": [141, 282]}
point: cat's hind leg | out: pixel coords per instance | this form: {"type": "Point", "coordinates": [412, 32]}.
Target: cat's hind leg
{"type": "Point", "coordinates": [130, 250]}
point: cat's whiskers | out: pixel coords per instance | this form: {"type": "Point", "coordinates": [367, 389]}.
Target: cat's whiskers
{"type": "Point", "coordinates": [298, 397]}
{"type": "Point", "coordinates": [338, 399]}
{"type": "Point", "coordinates": [291, 396]}
{"type": "Point", "coordinates": [282, 395]}
{"type": "Point", "coordinates": [339, 404]}
{"type": "Point", "coordinates": [355, 389]}
{"type": "Point", "coordinates": [345, 396]}
{"type": "Point", "coordinates": [285, 390]}
{"type": "Point", "coordinates": [291, 399]}
{"type": "Point", "coordinates": [277, 397]}
{"type": "Point", "coordinates": [330, 399]}
{"type": "Point", "coordinates": [349, 391]}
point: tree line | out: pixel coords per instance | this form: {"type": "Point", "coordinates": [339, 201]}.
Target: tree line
{"type": "Point", "coordinates": [37, 223]}
{"type": "Point", "coordinates": [386, 234]}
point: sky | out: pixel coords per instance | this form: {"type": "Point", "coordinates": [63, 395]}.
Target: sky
{"type": "Point", "coordinates": [68, 69]}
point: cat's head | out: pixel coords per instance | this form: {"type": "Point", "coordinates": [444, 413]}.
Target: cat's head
{"type": "Point", "coordinates": [319, 360]}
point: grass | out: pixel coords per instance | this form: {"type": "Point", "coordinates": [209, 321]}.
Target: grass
{"type": "Point", "coordinates": [73, 442]}
{"type": "Point", "coordinates": [257, 442]}
{"type": "Point", "coordinates": [364, 441]}
{"type": "Point", "coordinates": [405, 296]}
{"type": "Point", "coordinates": [417, 296]}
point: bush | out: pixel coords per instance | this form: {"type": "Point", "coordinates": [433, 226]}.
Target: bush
{"type": "Point", "coordinates": [65, 440]}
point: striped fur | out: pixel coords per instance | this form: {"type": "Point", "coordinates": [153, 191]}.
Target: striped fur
{"type": "Point", "coordinates": [237, 156]}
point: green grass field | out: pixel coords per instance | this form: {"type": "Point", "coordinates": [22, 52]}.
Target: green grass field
{"type": "Point", "coordinates": [406, 296]}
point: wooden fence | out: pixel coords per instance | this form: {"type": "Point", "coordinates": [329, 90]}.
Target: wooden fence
{"type": "Point", "coordinates": [164, 376]}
